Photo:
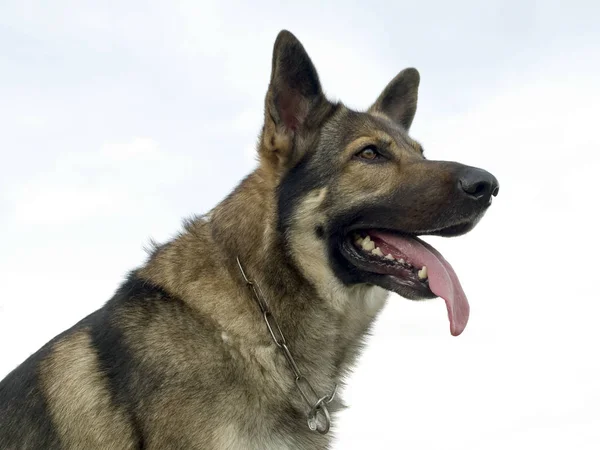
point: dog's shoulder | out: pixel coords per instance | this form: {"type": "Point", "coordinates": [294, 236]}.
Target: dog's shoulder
{"type": "Point", "coordinates": [92, 372]}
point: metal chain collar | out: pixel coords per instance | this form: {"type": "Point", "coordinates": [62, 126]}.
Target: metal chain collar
{"type": "Point", "coordinates": [318, 415]}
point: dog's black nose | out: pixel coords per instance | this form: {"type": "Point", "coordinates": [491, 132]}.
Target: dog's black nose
{"type": "Point", "coordinates": [478, 183]}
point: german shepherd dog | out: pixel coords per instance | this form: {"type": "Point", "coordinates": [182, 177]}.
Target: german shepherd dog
{"type": "Point", "coordinates": [234, 334]}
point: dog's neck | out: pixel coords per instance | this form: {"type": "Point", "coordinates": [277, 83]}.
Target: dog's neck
{"type": "Point", "coordinates": [324, 338]}
{"type": "Point", "coordinates": [244, 225]}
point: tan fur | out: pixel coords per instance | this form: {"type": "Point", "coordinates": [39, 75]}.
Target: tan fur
{"type": "Point", "coordinates": [79, 399]}
{"type": "Point", "coordinates": [275, 146]}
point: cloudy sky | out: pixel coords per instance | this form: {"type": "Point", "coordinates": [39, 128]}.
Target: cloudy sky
{"type": "Point", "coordinates": [118, 119]}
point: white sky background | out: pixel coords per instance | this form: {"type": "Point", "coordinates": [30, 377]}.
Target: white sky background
{"type": "Point", "coordinates": [119, 119]}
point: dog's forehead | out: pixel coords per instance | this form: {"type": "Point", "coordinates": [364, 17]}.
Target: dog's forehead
{"type": "Point", "coordinates": [348, 125]}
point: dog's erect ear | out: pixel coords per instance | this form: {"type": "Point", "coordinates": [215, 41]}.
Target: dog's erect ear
{"type": "Point", "coordinates": [398, 100]}
{"type": "Point", "coordinates": [295, 86]}
{"type": "Point", "coordinates": [293, 97]}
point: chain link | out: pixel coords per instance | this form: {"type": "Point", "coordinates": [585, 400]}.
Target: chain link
{"type": "Point", "coordinates": [318, 415]}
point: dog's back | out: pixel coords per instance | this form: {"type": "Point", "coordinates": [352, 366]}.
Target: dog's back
{"type": "Point", "coordinates": [86, 388]}
{"type": "Point", "coordinates": [25, 422]}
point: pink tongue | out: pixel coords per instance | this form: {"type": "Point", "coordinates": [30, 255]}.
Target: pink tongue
{"type": "Point", "coordinates": [443, 281]}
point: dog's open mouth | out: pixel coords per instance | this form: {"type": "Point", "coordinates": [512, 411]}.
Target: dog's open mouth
{"type": "Point", "coordinates": [409, 266]}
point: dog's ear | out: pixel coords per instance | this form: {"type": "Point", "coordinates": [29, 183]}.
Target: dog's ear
{"type": "Point", "coordinates": [293, 99]}
{"type": "Point", "coordinates": [398, 100]}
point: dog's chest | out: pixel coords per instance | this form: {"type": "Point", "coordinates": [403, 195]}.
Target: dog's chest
{"type": "Point", "coordinates": [231, 440]}
{"type": "Point", "coordinates": [334, 345]}
{"type": "Point", "coordinates": [230, 437]}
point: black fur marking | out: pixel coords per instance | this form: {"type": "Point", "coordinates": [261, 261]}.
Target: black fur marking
{"type": "Point", "coordinates": [319, 231]}
{"type": "Point", "coordinates": [116, 360]}
{"type": "Point", "coordinates": [298, 182]}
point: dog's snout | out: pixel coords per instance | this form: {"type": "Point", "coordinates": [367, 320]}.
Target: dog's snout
{"type": "Point", "coordinates": [478, 183]}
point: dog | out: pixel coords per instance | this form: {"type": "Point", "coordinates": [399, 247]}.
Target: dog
{"type": "Point", "coordinates": [235, 334]}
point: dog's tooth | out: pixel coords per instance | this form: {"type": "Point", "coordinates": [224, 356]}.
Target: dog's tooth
{"type": "Point", "coordinates": [401, 261]}
{"type": "Point", "coordinates": [389, 256]}
{"type": "Point", "coordinates": [377, 251]}
{"type": "Point", "coordinates": [423, 273]}
{"type": "Point", "coordinates": [367, 244]}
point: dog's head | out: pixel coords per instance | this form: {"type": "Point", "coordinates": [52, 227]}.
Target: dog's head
{"type": "Point", "coordinates": [354, 190]}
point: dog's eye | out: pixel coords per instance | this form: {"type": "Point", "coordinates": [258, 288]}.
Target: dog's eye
{"type": "Point", "coordinates": [369, 153]}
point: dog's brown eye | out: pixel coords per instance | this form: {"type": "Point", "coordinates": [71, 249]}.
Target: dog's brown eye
{"type": "Point", "coordinates": [369, 153]}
